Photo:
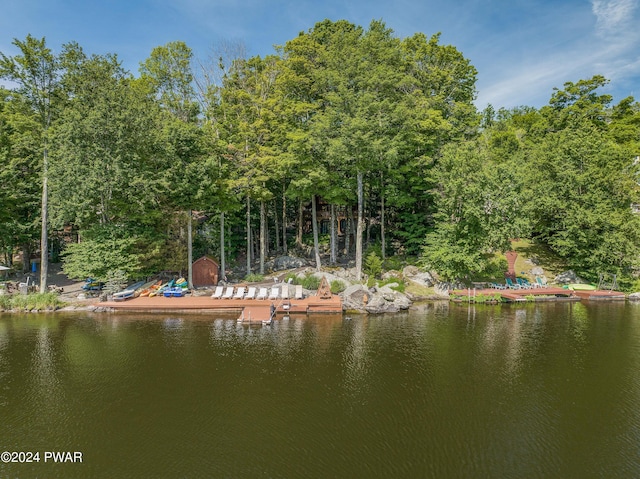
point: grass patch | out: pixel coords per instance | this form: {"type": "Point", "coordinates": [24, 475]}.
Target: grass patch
{"type": "Point", "coordinates": [337, 286]}
{"type": "Point", "coordinates": [5, 302]}
{"type": "Point", "coordinates": [399, 287]}
{"type": "Point", "coordinates": [30, 302]}
{"type": "Point", "coordinates": [308, 282]}
{"type": "Point", "coordinates": [418, 290]}
{"type": "Point", "coordinates": [550, 262]}
{"type": "Point", "coordinates": [254, 278]}
{"type": "Point", "coordinates": [479, 299]}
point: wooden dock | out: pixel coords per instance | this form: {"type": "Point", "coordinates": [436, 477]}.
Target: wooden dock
{"type": "Point", "coordinates": [549, 293]}
{"type": "Point", "coordinates": [600, 295]}
{"type": "Point", "coordinates": [257, 307]}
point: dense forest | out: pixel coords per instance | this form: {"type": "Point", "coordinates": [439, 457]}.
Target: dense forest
{"type": "Point", "coordinates": [346, 138]}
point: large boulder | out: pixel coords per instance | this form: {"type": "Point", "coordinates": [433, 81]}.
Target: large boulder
{"type": "Point", "coordinates": [410, 270]}
{"type": "Point", "coordinates": [331, 278]}
{"type": "Point", "coordinates": [375, 300]}
{"type": "Point", "coordinates": [568, 277]}
{"type": "Point", "coordinates": [386, 300]}
{"type": "Point", "coordinates": [423, 278]}
{"type": "Point", "coordinates": [353, 298]}
{"type": "Point", "coordinates": [392, 296]}
{"type": "Point", "coordinates": [378, 305]}
{"type": "Point", "coordinates": [387, 275]}
{"type": "Point", "coordinates": [288, 262]}
{"type": "Point", "coordinates": [634, 297]}
{"type": "Point", "coordinates": [442, 289]}
{"type": "Point", "coordinates": [348, 274]}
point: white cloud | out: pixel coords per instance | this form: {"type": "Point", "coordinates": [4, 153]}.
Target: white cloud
{"type": "Point", "coordinates": [613, 16]}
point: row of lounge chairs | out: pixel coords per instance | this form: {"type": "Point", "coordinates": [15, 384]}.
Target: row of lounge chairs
{"type": "Point", "coordinates": [519, 284]}
{"type": "Point", "coordinates": [252, 292]}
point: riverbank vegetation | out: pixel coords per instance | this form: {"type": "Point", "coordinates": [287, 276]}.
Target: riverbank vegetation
{"type": "Point", "coordinates": [30, 302]}
{"type": "Point", "coordinates": [345, 134]}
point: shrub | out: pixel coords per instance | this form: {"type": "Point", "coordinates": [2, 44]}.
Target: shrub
{"type": "Point", "coordinates": [393, 262]}
{"type": "Point", "coordinates": [108, 248]}
{"type": "Point", "coordinates": [480, 299]}
{"type": "Point", "coordinates": [5, 302]}
{"type": "Point", "coordinates": [373, 264]}
{"type": "Point", "coordinates": [115, 281]}
{"type": "Point", "coordinates": [310, 282]}
{"type": "Point", "coordinates": [337, 286]}
{"type": "Point", "coordinates": [254, 278]}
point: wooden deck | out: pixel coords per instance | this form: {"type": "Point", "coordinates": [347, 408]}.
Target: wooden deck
{"type": "Point", "coordinates": [257, 307]}
{"type": "Point", "coordinates": [549, 292]}
{"type": "Point", "coordinates": [599, 295]}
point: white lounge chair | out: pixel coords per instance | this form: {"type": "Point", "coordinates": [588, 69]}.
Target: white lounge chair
{"type": "Point", "coordinates": [298, 294]}
{"type": "Point", "coordinates": [239, 293]}
{"type": "Point", "coordinates": [285, 292]}
{"type": "Point", "coordinates": [262, 294]}
{"type": "Point", "coordinates": [251, 293]}
{"type": "Point", "coordinates": [228, 294]}
{"type": "Point", "coordinates": [218, 292]}
{"type": "Point", "coordinates": [541, 282]}
{"type": "Point", "coordinates": [275, 292]}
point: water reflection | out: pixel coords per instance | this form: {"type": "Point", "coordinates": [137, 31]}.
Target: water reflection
{"type": "Point", "coordinates": [538, 390]}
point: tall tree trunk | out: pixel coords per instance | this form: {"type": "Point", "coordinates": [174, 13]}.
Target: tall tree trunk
{"type": "Point", "coordinates": [248, 235]}
{"type": "Point", "coordinates": [276, 226]}
{"type": "Point", "coordinates": [334, 236]}
{"type": "Point", "coordinates": [255, 244]}
{"type": "Point", "coordinates": [300, 220]}
{"type": "Point", "coordinates": [263, 235]}
{"type": "Point", "coordinates": [347, 231]}
{"type": "Point", "coordinates": [382, 232]}
{"type": "Point", "coordinates": [222, 262]}
{"type": "Point", "coordinates": [359, 229]}
{"type": "Point", "coordinates": [316, 243]}
{"type": "Point", "coordinates": [284, 221]}
{"type": "Point", "coordinates": [190, 250]}
{"type": "Point", "coordinates": [44, 238]}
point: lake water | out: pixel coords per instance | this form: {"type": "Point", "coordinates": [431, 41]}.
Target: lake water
{"type": "Point", "coordinates": [447, 391]}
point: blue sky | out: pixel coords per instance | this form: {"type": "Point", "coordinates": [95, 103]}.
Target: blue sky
{"type": "Point", "coordinates": [522, 49]}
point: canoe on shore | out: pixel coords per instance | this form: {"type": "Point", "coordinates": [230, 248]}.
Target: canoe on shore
{"type": "Point", "coordinates": [581, 287]}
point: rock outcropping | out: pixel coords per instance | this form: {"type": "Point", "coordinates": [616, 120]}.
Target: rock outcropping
{"type": "Point", "coordinates": [374, 300]}
{"type": "Point", "coordinates": [568, 277]}
{"type": "Point", "coordinates": [286, 262]}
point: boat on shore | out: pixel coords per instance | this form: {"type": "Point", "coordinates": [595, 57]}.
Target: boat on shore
{"type": "Point", "coordinates": [128, 292]}
{"type": "Point", "coordinates": [581, 287]}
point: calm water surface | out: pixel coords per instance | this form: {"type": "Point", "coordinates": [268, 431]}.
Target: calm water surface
{"type": "Point", "coordinates": [535, 391]}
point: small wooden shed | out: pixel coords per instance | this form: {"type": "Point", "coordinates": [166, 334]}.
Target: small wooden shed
{"type": "Point", "coordinates": [205, 272]}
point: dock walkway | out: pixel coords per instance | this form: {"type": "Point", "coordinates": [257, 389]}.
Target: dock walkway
{"type": "Point", "coordinates": [560, 293]}
{"type": "Point", "coordinates": [311, 304]}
